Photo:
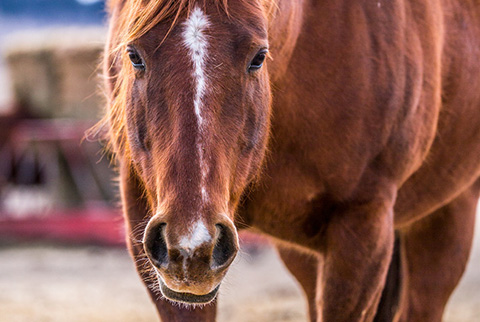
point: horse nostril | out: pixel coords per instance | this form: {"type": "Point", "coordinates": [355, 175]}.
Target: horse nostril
{"type": "Point", "coordinates": [225, 248]}
{"type": "Point", "coordinates": [155, 245]}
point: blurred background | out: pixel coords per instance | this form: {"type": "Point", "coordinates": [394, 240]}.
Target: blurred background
{"type": "Point", "coordinates": [62, 252]}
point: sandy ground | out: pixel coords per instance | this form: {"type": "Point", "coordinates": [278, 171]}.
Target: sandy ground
{"type": "Point", "coordinates": [52, 283]}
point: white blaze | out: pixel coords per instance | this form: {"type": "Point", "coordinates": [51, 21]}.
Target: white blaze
{"type": "Point", "coordinates": [198, 236]}
{"type": "Point", "coordinates": [196, 41]}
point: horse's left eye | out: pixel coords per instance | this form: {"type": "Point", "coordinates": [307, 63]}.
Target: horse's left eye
{"type": "Point", "coordinates": [137, 61]}
{"type": "Point", "coordinates": [258, 60]}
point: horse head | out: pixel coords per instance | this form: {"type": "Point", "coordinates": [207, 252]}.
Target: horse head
{"type": "Point", "coordinates": [190, 116]}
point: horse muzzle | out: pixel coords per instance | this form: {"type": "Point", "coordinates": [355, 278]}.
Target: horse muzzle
{"type": "Point", "coordinates": [190, 262]}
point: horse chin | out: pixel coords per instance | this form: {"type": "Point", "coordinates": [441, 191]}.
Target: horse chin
{"type": "Point", "coordinates": [187, 298]}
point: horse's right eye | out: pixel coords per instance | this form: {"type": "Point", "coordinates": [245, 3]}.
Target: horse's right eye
{"type": "Point", "coordinates": [137, 61]}
{"type": "Point", "coordinates": [258, 60]}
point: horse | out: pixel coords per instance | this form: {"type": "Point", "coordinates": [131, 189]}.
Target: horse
{"type": "Point", "coordinates": [346, 131]}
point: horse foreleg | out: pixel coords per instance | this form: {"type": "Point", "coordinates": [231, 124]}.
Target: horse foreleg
{"type": "Point", "coordinates": [358, 250]}
{"type": "Point", "coordinates": [304, 267]}
{"type": "Point", "coordinates": [436, 250]}
{"type": "Point", "coordinates": [136, 215]}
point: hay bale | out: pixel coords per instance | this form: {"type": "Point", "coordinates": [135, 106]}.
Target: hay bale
{"type": "Point", "coordinates": [54, 71]}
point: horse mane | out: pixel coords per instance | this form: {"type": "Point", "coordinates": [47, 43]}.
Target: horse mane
{"type": "Point", "coordinates": [134, 19]}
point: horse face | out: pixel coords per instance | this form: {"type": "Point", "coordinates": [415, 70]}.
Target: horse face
{"type": "Point", "coordinates": [197, 113]}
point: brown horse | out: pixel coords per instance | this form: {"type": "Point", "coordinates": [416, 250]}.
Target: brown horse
{"type": "Point", "coordinates": [348, 131]}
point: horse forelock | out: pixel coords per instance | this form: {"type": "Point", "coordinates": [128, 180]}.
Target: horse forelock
{"type": "Point", "coordinates": [136, 17]}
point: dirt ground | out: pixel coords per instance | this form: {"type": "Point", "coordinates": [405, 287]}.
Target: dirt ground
{"type": "Point", "coordinates": [90, 284]}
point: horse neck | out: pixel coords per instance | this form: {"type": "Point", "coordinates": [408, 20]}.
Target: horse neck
{"type": "Point", "coordinates": [284, 27]}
